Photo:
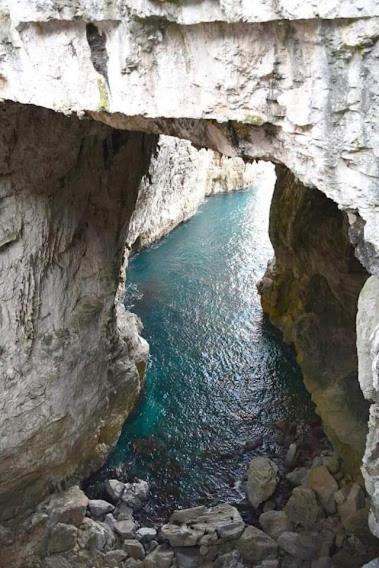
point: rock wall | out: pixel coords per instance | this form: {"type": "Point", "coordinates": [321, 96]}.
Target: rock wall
{"type": "Point", "coordinates": [72, 361]}
{"type": "Point", "coordinates": [180, 177]}
{"type": "Point", "coordinates": [310, 291]}
{"type": "Point", "coordinates": [291, 82]}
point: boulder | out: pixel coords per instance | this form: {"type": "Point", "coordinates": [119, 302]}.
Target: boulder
{"type": "Point", "coordinates": [274, 523]}
{"type": "Point", "coordinates": [300, 545]}
{"type": "Point", "coordinates": [187, 515]}
{"type": "Point", "coordinates": [125, 529]}
{"type": "Point", "coordinates": [255, 546]}
{"type": "Point", "coordinates": [134, 549]}
{"type": "Point", "coordinates": [302, 508]}
{"type": "Point", "coordinates": [62, 538]}
{"type": "Point", "coordinates": [95, 536]}
{"type": "Point", "coordinates": [181, 535]}
{"type": "Point", "coordinates": [114, 558]}
{"type": "Point", "coordinates": [99, 508]}
{"type": "Point", "coordinates": [229, 560]}
{"type": "Point", "coordinates": [297, 476]}
{"type": "Point", "coordinates": [349, 499]}
{"type": "Point", "coordinates": [146, 534]}
{"type": "Point", "coordinates": [135, 494]}
{"type": "Point", "coordinates": [114, 489]}
{"type": "Point", "coordinates": [123, 512]}
{"type": "Point", "coordinates": [262, 480]}
{"type": "Point", "coordinates": [68, 507]}
{"type": "Point", "coordinates": [160, 557]}
{"type": "Point", "coordinates": [325, 486]}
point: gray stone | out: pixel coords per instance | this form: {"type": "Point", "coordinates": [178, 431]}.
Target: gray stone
{"type": "Point", "coordinates": [188, 557]}
{"type": "Point", "coordinates": [255, 546]}
{"type": "Point", "coordinates": [297, 476]}
{"type": "Point", "coordinates": [229, 560]}
{"type": "Point", "coordinates": [114, 558]}
{"type": "Point", "coordinates": [323, 562]}
{"type": "Point", "coordinates": [182, 516]}
{"type": "Point", "coordinates": [274, 523]}
{"type": "Point", "coordinates": [269, 564]}
{"type": "Point", "coordinates": [262, 479]}
{"type": "Point", "coordinates": [302, 508]}
{"type": "Point", "coordinates": [134, 549]}
{"type": "Point", "coordinates": [125, 529]}
{"type": "Point", "coordinates": [181, 535]}
{"type": "Point", "coordinates": [160, 557]}
{"type": "Point", "coordinates": [372, 564]}
{"type": "Point", "coordinates": [135, 494]}
{"type": "Point", "coordinates": [324, 485]}
{"type": "Point", "coordinates": [146, 534]}
{"type": "Point", "coordinates": [62, 538]}
{"type": "Point", "coordinates": [300, 545]}
{"type": "Point", "coordinates": [95, 536]}
{"type": "Point", "coordinates": [114, 489]}
{"type": "Point", "coordinates": [99, 508]}
{"type": "Point", "coordinates": [68, 507]}
{"type": "Point", "coordinates": [123, 512]}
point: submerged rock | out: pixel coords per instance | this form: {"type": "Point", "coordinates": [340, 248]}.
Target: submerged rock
{"type": "Point", "coordinates": [262, 480]}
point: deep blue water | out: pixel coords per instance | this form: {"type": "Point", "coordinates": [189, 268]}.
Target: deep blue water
{"type": "Point", "coordinates": [219, 376]}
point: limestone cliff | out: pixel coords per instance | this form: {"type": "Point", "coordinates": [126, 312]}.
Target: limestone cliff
{"type": "Point", "coordinates": [282, 80]}
{"type": "Point", "coordinates": [310, 291]}
{"type": "Point", "coordinates": [180, 177]}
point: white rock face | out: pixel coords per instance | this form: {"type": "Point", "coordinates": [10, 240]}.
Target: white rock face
{"type": "Point", "coordinates": [368, 357]}
{"type": "Point", "coordinates": [288, 81]}
{"type": "Point", "coordinates": [180, 178]}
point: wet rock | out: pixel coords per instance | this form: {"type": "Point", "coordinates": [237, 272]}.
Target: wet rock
{"type": "Point", "coordinates": [262, 480]}
{"type": "Point", "coordinates": [114, 489]}
{"type": "Point", "coordinates": [99, 508]}
{"type": "Point", "coordinates": [181, 535]}
{"type": "Point", "coordinates": [125, 529]}
{"type": "Point", "coordinates": [135, 494]}
{"type": "Point", "coordinates": [146, 534]}
{"type": "Point", "coordinates": [274, 523]}
{"type": "Point", "coordinates": [68, 508]}
{"type": "Point", "coordinates": [62, 538]}
{"type": "Point", "coordinates": [297, 476]}
{"type": "Point", "coordinates": [299, 545]}
{"type": "Point", "coordinates": [302, 508]}
{"type": "Point", "coordinates": [325, 486]}
{"type": "Point", "coordinates": [161, 557]}
{"type": "Point", "coordinates": [254, 545]}
{"type": "Point", "coordinates": [134, 549]}
{"type": "Point", "coordinates": [95, 536]}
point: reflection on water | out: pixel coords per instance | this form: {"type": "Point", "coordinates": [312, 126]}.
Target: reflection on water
{"type": "Point", "coordinates": [219, 379]}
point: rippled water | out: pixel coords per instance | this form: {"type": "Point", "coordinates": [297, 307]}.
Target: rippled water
{"type": "Point", "coordinates": [219, 376]}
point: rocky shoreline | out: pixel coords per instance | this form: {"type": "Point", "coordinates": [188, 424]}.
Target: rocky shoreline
{"type": "Point", "coordinates": [323, 524]}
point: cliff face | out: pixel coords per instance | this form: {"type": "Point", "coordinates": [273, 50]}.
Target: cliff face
{"type": "Point", "coordinates": [291, 82]}
{"type": "Point", "coordinates": [310, 291]}
{"type": "Point", "coordinates": [71, 360]}
{"type": "Point", "coordinates": [180, 178]}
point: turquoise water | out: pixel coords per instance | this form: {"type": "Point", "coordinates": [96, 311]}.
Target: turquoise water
{"type": "Point", "coordinates": [219, 376]}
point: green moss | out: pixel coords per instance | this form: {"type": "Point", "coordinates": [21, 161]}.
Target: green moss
{"type": "Point", "coordinates": [103, 95]}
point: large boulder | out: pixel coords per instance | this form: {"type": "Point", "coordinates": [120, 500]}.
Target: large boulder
{"type": "Point", "coordinates": [262, 479]}
{"type": "Point", "coordinates": [68, 507]}
{"type": "Point", "coordinates": [255, 546]}
{"type": "Point", "coordinates": [325, 486]}
{"type": "Point", "coordinates": [302, 508]}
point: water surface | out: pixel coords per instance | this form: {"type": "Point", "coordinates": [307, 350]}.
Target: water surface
{"type": "Point", "coordinates": [219, 376]}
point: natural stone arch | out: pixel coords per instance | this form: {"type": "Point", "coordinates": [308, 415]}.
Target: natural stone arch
{"type": "Point", "coordinates": [291, 91]}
